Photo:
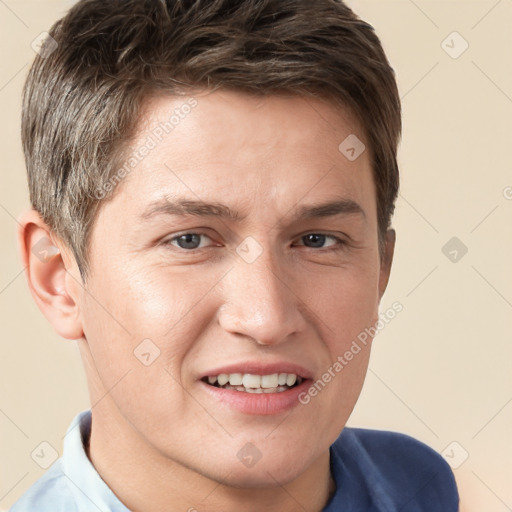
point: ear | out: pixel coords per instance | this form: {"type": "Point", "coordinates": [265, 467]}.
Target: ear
{"type": "Point", "coordinates": [52, 274]}
{"type": "Point", "coordinates": [386, 261]}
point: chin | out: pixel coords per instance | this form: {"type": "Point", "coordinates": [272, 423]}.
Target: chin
{"type": "Point", "coordinates": [263, 475]}
{"type": "Point", "coordinates": [272, 467]}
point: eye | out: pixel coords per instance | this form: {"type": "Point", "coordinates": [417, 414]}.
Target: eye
{"type": "Point", "coordinates": [188, 241]}
{"type": "Point", "coordinates": [317, 240]}
{"type": "Point", "coordinates": [193, 240]}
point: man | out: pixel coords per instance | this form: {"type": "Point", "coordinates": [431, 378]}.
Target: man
{"type": "Point", "coordinates": [213, 184]}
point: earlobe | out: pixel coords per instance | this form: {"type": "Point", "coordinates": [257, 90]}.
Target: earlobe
{"type": "Point", "coordinates": [47, 266]}
{"type": "Point", "coordinates": [386, 261]}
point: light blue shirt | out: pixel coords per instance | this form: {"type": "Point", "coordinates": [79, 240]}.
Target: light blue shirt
{"type": "Point", "coordinates": [374, 471]}
{"type": "Point", "coordinates": [72, 484]}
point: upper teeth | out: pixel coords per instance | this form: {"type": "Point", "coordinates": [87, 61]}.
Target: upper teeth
{"type": "Point", "coordinates": [249, 380]}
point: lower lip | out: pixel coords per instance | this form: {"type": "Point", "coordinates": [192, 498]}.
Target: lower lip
{"type": "Point", "coordinates": [258, 403]}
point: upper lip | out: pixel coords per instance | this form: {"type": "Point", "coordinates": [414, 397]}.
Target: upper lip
{"type": "Point", "coordinates": [258, 368]}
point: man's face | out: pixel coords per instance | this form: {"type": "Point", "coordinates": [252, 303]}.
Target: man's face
{"type": "Point", "coordinates": [276, 291]}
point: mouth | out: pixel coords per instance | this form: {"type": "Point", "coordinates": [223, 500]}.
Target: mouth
{"type": "Point", "coordinates": [256, 389]}
{"type": "Point", "coordinates": [253, 383]}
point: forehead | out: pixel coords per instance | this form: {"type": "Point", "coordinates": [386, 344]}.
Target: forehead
{"type": "Point", "coordinates": [233, 118]}
{"type": "Point", "coordinates": [228, 145]}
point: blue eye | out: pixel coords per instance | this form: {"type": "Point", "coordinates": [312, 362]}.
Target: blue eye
{"type": "Point", "coordinates": [189, 241]}
{"type": "Point", "coordinates": [192, 240]}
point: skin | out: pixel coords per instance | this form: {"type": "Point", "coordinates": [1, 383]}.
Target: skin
{"type": "Point", "coordinates": [158, 440]}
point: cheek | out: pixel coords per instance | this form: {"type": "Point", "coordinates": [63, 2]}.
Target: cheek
{"type": "Point", "coordinates": [143, 321]}
{"type": "Point", "coordinates": [349, 311]}
{"type": "Point", "coordinates": [351, 316]}
{"type": "Point", "coordinates": [348, 307]}
{"type": "Point", "coordinates": [138, 331]}
{"type": "Point", "coordinates": [153, 303]}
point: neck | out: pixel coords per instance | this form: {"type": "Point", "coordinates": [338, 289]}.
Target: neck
{"type": "Point", "coordinates": [145, 480]}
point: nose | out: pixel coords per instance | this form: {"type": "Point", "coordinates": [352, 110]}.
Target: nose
{"type": "Point", "coordinates": [260, 301]}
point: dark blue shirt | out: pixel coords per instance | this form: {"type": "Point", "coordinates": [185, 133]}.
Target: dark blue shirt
{"type": "Point", "coordinates": [383, 471]}
{"type": "Point", "coordinates": [374, 471]}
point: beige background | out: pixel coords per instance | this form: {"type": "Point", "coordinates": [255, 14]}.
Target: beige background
{"type": "Point", "coordinates": [441, 370]}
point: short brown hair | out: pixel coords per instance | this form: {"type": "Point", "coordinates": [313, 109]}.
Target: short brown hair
{"type": "Point", "coordinates": [83, 97]}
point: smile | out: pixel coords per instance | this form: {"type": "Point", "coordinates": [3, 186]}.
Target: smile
{"type": "Point", "coordinates": [251, 383]}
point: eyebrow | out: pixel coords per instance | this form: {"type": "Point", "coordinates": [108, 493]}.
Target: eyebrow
{"type": "Point", "coordinates": [184, 207]}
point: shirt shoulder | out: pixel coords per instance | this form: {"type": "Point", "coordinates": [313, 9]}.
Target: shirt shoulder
{"type": "Point", "coordinates": [398, 471]}
{"type": "Point", "coordinates": [72, 484]}
{"type": "Point", "coordinates": [50, 493]}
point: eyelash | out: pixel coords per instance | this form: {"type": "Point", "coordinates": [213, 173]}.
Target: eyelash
{"type": "Point", "coordinates": [340, 242]}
